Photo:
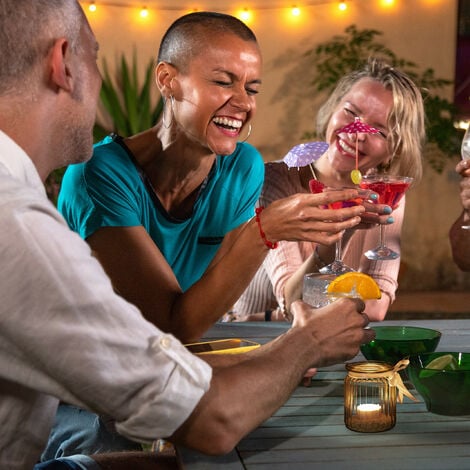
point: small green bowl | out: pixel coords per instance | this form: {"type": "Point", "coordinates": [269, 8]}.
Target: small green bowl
{"type": "Point", "coordinates": [394, 343]}
{"type": "Point", "coordinates": [445, 388]}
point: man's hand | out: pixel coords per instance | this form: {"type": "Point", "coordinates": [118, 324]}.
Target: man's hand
{"type": "Point", "coordinates": [337, 330]}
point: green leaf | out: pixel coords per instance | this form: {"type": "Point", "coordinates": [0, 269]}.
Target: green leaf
{"type": "Point", "coordinates": [126, 102]}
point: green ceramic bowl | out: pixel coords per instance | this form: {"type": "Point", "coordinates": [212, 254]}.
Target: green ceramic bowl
{"type": "Point", "coordinates": [443, 380]}
{"type": "Point", "coordinates": [394, 343]}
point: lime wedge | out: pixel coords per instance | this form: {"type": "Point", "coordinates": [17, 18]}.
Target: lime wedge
{"type": "Point", "coordinates": [356, 176]}
{"type": "Point", "coordinates": [446, 362]}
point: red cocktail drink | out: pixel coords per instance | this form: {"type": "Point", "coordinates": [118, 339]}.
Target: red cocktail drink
{"type": "Point", "coordinates": [337, 266]}
{"type": "Point", "coordinates": [390, 189]}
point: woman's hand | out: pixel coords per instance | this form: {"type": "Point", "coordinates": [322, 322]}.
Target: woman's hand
{"type": "Point", "coordinates": [374, 215]}
{"type": "Point", "coordinates": [305, 217]}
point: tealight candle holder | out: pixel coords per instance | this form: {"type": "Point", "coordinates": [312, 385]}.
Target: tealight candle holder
{"type": "Point", "coordinates": [370, 395]}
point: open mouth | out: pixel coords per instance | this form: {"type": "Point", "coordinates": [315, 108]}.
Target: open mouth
{"type": "Point", "coordinates": [232, 125]}
{"type": "Point", "coordinates": [351, 151]}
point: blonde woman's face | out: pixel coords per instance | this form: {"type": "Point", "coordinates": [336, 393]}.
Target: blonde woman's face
{"type": "Point", "coordinates": [369, 100]}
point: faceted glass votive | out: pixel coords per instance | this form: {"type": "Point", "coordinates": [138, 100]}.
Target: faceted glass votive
{"type": "Point", "coordinates": [369, 399]}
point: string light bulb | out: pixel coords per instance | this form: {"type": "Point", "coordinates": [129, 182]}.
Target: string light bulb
{"type": "Point", "coordinates": [295, 11]}
{"type": "Point", "coordinates": [342, 6]}
{"type": "Point", "coordinates": [144, 13]}
{"type": "Point", "coordinates": [92, 7]}
{"type": "Point", "coordinates": [245, 15]}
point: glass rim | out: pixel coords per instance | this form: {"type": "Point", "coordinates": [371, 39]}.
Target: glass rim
{"type": "Point", "coordinates": [429, 332]}
{"type": "Point", "coordinates": [388, 178]}
{"type": "Point", "coordinates": [369, 367]}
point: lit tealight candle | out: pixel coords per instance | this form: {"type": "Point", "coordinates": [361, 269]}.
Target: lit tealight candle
{"type": "Point", "coordinates": [368, 411]}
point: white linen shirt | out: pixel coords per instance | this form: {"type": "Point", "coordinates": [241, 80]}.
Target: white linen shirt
{"type": "Point", "coordinates": [66, 335]}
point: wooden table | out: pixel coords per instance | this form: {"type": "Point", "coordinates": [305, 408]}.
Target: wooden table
{"type": "Point", "coordinates": [308, 432]}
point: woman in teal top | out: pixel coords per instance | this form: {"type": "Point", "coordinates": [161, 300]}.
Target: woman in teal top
{"type": "Point", "coordinates": [112, 191]}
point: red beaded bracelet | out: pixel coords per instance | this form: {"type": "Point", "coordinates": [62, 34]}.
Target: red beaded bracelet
{"type": "Point", "coordinates": [271, 245]}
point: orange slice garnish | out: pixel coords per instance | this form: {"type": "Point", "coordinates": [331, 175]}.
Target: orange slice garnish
{"type": "Point", "coordinates": [355, 284]}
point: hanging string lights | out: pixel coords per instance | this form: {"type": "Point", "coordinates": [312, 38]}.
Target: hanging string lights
{"type": "Point", "coordinates": [246, 14]}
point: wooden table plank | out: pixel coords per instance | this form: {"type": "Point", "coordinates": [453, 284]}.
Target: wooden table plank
{"type": "Point", "coordinates": [427, 457]}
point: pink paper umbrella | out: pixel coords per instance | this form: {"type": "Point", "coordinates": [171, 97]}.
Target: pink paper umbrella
{"type": "Point", "coordinates": [357, 127]}
{"type": "Point", "coordinates": [304, 154]}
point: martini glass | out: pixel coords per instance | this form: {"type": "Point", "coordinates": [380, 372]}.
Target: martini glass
{"type": "Point", "coordinates": [390, 190]}
{"type": "Point", "coordinates": [337, 266]}
{"type": "Point", "coordinates": [465, 152]}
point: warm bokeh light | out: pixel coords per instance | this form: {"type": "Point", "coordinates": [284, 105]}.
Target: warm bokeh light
{"type": "Point", "coordinates": [387, 3]}
{"type": "Point", "coordinates": [92, 7]}
{"type": "Point", "coordinates": [295, 11]}
{"type": "Point", "coordinates": [144, 13]}
{"type": "Point", "coordinates": [464, 125]}
{"type": "Point", "coordinates": [245, 15]}
{"type": "Point", "coordinates": [342, 6]}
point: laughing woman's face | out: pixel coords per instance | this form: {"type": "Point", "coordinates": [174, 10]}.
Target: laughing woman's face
{"type": "Point", "coordinates": [369, 100]}
{"type": "Point", "coordinates": [218, 93]}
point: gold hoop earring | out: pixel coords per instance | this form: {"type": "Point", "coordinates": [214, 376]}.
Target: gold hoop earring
{"type": "Point", "coordinates": [249, 133]}
{"type": "Point", "coordinates": [165, 125]}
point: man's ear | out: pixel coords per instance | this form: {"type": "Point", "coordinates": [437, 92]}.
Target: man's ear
{"type": "Point", "coordinates": [59, 61]}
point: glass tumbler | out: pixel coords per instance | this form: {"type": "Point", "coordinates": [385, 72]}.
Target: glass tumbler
{"type": "Point", "coordinates": [314, 289]}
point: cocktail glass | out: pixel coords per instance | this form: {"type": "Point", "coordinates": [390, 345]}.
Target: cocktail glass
{"type": "Point", "coordinates": [337, 266]}
{"type": "Point", "coordinates": [390, 190]}
{"type": "Point", "coordinates": [465, 152]}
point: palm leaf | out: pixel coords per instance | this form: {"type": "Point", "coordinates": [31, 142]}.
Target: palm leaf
{"type": "Point", "coordinates": [126, 102]}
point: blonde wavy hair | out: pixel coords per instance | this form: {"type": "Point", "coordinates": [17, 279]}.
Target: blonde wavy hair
{"type": "Point", "coordinates": [406, 121]}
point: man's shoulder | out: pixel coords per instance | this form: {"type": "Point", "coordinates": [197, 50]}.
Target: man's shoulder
{"type": "Point", "coordinates": [16, 198]}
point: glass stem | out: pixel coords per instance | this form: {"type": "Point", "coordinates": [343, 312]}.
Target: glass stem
{"type": "Point", "coordinates": [339, 251]}
{"type": "Point", "coordinates": [382, 236]}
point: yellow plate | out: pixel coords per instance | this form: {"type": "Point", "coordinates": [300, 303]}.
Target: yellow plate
{"type": "Point", "coordinates": [223, 346]}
